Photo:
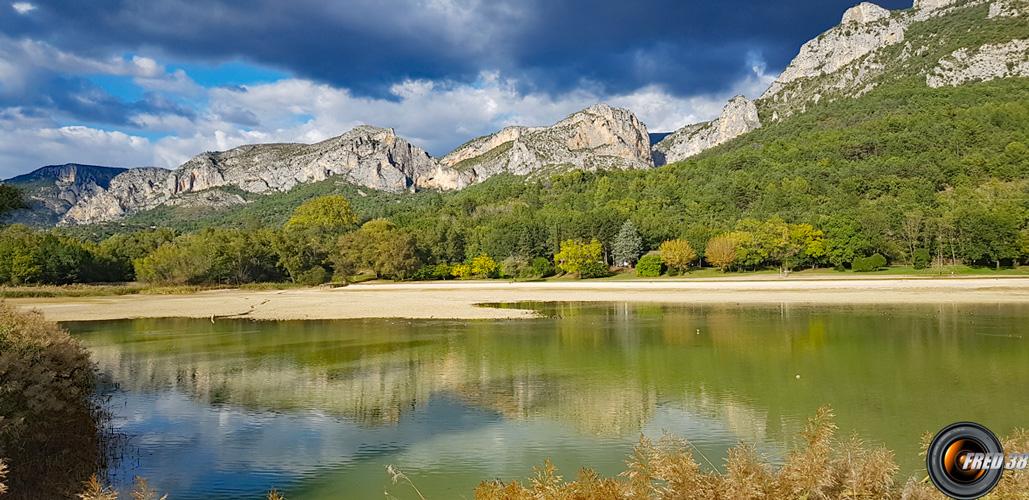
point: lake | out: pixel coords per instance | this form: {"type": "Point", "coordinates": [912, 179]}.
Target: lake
{"type": "Point", "coordinates": [318, 409]}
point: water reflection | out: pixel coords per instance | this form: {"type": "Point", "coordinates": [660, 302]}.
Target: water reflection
{"type": "Point", "coordinates": [231, 408]}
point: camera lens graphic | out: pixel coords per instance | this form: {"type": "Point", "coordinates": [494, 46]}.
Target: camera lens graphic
{"type": "Point", "coordinates": [950, 460]}
{"type": "Point", "coordinates": [954, 457]}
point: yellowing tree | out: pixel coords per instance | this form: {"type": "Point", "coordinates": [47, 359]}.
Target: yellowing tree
{"type": "Point", "coordinates": [575, 256]}
{"type": "Point", "coordinates": [721, 251]}
{"type": "Point", "coordinates": [678, 255]}
{"type": "Point", "coordinates": [484, 266]}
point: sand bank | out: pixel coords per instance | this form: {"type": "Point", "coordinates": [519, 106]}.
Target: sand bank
{"type": "Point", "coordinates": [450, 300]}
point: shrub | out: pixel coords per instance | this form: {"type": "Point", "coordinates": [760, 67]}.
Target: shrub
{"type": "Point", "coordinates": [542, 267]}
{"type": "Point", "coordinates": [314, 276]}
{"type": "Point", "coordinates": [515, 267]}
{"type": "Point", "coordinates": [439, 271]}
{"type": "Point", "coordinates": [649, 266]}
{"type": "Point", "coordinates": [461, 271]}
{"type": "Point", "coordinates": [593, 269]}
{"type": "Point", "coordinates": [868, 264]}
{"type": "Point", "coordinates": [484, 266]}
{"type": "Point", "coordinates": [50, 422]}
{"type": "Point", "coordinates": [921, 258]}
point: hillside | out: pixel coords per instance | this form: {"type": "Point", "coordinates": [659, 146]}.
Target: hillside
{"type": "Point", "coordinates": [906, 168]}
{"type": "Point", "coordinates": [52, 190]}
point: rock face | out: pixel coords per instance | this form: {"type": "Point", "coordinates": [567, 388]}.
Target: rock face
{"type": "Point", "coordinates": [864, 13]}
{"type": "Point", "coordinates": [933, 4]}
{"type": "Point", "coordinates": [1002, 60]}
{"type": "Point", "coordinates": [368, 156]}
{"type": "Point", "coordinates": [865, 29]}
{"type": "Point", "coordinates": [50, 191]}
{"type": "Point", "coordinates": [873, 45]}
{"type": "Point", "coordinates": [738, 117]}
{"type": "Point", "coordinates": [598, 137]}
{"type": "Point", "coordinates": [1008, 8]}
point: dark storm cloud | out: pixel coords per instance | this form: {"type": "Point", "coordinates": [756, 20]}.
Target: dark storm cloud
{"type": "Point", "coordinates": [689, 47]}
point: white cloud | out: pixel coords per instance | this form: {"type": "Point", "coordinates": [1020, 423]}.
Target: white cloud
{"type": "Point", "coordinates": [25, 62]}
{"type": "Point", "coordinates": [69, 144]}
{"type": "Point", "coordinates": [436, 115]}
{"type": "Point", "coordinates": [23, 7]}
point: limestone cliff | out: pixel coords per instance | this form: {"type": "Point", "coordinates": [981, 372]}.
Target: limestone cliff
{"type": "Point", "coordinates": [940, 41]}
{"type": "Point", "coordinates": [598, 137]}
{"type": "Point", "coordinates": [367, 156]}
{"type": "Point", "coordinates": [738, 117]}
{"type": "Point", "coordinates": [50, 191]}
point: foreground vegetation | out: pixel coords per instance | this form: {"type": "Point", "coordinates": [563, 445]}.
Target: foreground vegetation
{"type": "Point", "coordinates": [50, 421]}
{"type": "Point", "coordinates": [823, 468]}
{"type": "Point", "coordinates": [51, 444]}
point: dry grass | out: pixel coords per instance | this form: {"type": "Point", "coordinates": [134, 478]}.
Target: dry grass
{"type": "Point", "coordinates": [49, 420]}
{"type": "Point", "coordinates": [95, 489]}
{"type": "Point", "coordinates": [3, 477]}
{"type": "Point", "coordinates": [823, 468]}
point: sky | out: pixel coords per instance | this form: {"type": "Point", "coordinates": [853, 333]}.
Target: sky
{"type": "Point", "coordinates": [153, 82]}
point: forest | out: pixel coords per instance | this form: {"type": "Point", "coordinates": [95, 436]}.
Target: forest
{"type": "Point", "coordinates": [902, 175]}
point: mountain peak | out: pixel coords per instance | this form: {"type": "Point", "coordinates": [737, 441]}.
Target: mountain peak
{"type": "Point", "coordinates": [863, 13]}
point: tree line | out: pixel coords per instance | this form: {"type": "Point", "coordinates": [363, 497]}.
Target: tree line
{"type": "Point", "coordinates": [323, 241]}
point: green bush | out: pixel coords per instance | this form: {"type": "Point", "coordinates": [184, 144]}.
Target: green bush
{"type": "Point", "coordinates": [868, 264]}
{"type": "Point", "coordinates": [649, 266]}
{"type": "Point", "coordinates": [439, 271]}
{"type": "Point", "coordinates": [921, 258]}
{"type": "Point", "coordinates": [593, 269]}
{"type": "Point", "coordinates": [542, 267]}
{"type": "Point", "coordinates": [314, 276]}
{"type": "Point", "coordinates": [515, 267]}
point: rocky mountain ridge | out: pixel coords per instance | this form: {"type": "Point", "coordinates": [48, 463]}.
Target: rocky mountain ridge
{"type": "Point", "coordinates": [52, 190]}
{"type": "Point", "coordinates": [870, 46]}
{"type": "Point", "coordinates": [738, 117]}
{"type": "Point", "coordinates": [598, 137]}
{"type": "Point", "coordinates": [934, 43]}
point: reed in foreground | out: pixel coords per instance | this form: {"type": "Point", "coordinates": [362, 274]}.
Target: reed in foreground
{"type": "Point", "coordinates": [823, 468]}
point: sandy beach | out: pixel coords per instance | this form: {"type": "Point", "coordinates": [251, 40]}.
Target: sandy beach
{"type": "Point", "coordinates": [461, 300]}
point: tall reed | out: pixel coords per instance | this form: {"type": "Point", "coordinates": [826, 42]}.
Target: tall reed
{"type": "Point", "coordinates": [823, 468]}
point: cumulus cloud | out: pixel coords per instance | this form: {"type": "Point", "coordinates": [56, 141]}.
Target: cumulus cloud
{"type": "Point", "coordinates": [23, 7]}
{"type": "Point", "coordinates": [436, 115]}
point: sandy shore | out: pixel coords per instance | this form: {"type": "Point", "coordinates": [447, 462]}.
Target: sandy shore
{"type": "Point", "coordinates": [460, 300]}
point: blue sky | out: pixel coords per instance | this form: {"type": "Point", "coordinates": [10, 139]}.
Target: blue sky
{"type": "Point", "coordinates": [134, 83]}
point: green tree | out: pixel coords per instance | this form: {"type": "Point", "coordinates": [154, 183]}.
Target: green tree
{"type": "Point", "coordinates": [627, 245]}
{"type": "Point", "coordinates": [380, 247]}
{"type": "Point", "coordinates": [187, 260]}
{"type": "Point", "coordinates": [10, 199]}
{"type": "Point", "coordinates": [325, 214]}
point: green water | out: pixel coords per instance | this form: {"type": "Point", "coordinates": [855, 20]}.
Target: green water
{"type": "Point", "coordinates": [319, 408]}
